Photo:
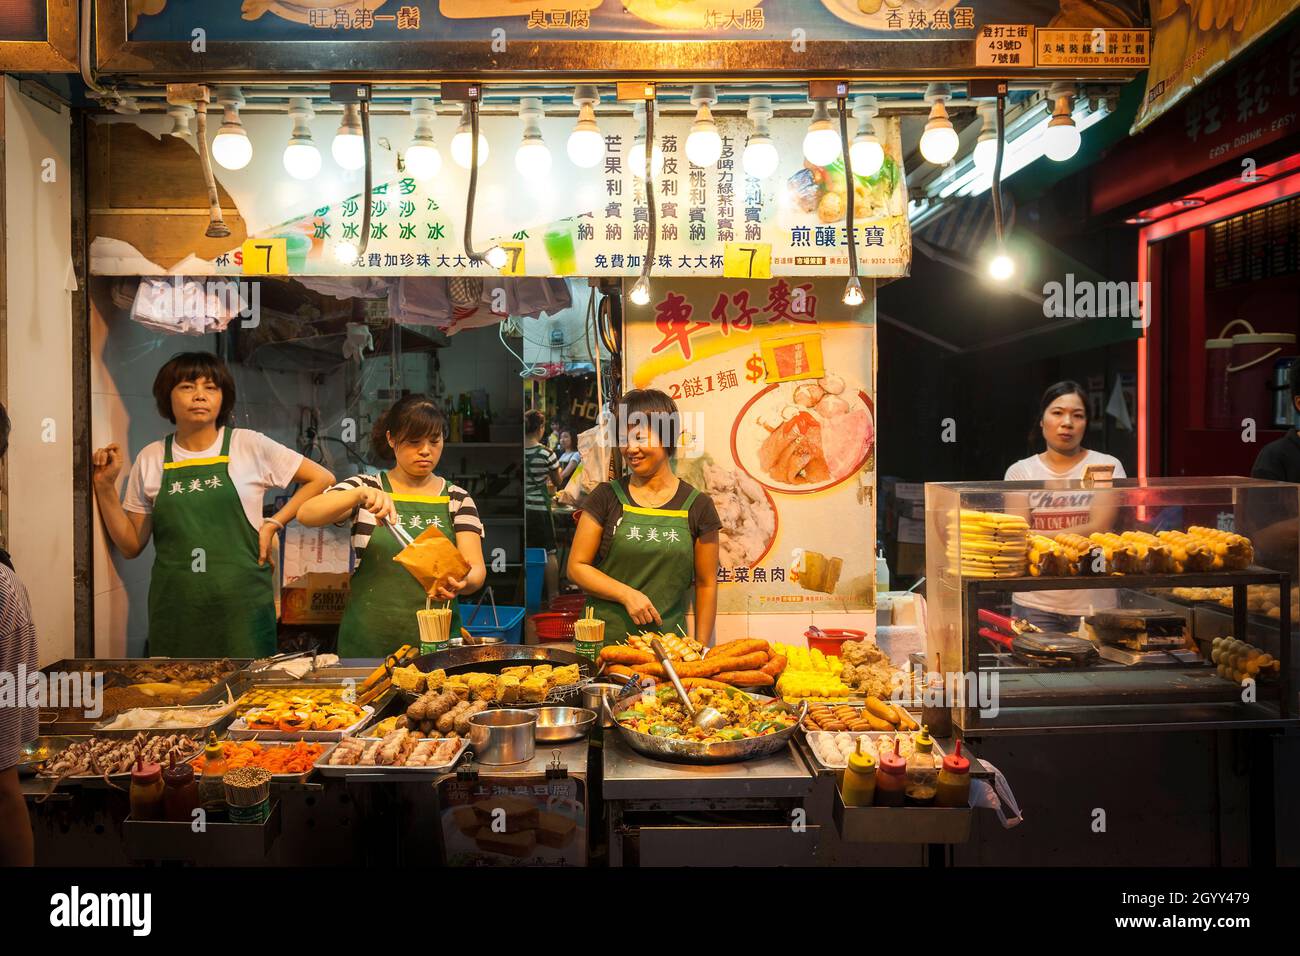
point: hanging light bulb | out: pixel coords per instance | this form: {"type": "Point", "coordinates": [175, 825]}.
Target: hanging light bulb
{"type": "Point", "coordinates": [636, 156]}
{"type": "Point", "coordinates": [760, 157]}
{"type": "Point", "coordinates": [640, 294]}
{"type": "Point", "coordinates": [821, 144]}
{"type": "Point", "coordinates": [346, 252]}
{"type": "Point", "coordinates": [1061, 139]}
{"type": "Point", "coordinates": [866, 153]}
{"type": "Point", "coordinates": [1001, 267]}
{"type": "Point", "coordinates": [586, 146]}
{"type": "Point", "coordinates": [986, 147]}
{"type": "Point", "coordinates": [495, 257]}
{"type": "Point", "coordinates": [231, 148]}
{"type": "Point", "coordinates": [939, 141]}
{"type": "Point", "coordinates": [301, 157]}
{"type": "Point", "coordinates": [533, 157]}
{"type": "Point", "coordinates": [349, 148]}
{"type": "Point", "coordinates": [462, 145]}
{"type": "Point", "coordinates": [422, 158]}
{"type": "Point", "coordinates": [181, 114]}
{"type": "Point", "coordinates": [703, 144]}
{"type": "Point", "coordinates": [853, 290]}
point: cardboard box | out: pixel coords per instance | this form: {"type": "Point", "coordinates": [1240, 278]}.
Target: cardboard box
{"type": "Point", "coordinates": [315, 599]}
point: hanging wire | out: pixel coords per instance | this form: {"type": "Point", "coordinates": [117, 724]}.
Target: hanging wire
{"type": "Point", "coordinates": [528, 370]}
{"type": "Point", "coordinates": [365, 215]}
{"type": "Point", "coordinates": [842, 106]}
{"type": "Point", "coordinates": [997, 170]}
{"type": "Point", "coordinates": [473, 189]}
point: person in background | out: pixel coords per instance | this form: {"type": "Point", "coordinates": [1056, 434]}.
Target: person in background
{"type": "Point", "coordinates": [380, 615]}
{"type": "Point", "coordinates": [570, 457]}
{"type": "Point", "coordinates": [18, 724]}
{"type": "Point", "coordinates": [199, 494]}
{"type": "Point", "coordinates": [1280, 460]}
{"type": "Point", "coordinates": [540, 468]}
{"type": "Point", "coordinates": [1062, 421]}
{"type": "Point", "coordinates": [646, 542]}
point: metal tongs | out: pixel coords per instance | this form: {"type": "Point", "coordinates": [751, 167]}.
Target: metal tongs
{"type": "Point", "coordinates": [400, 533]}
{"type": "Point", "coordinates": [707, 719]}
{"type": "Point", "coordinates": [268, 663]}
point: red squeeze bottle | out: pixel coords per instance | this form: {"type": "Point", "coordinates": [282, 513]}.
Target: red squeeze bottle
{"type": "Point", "coordinates": [891, 779]}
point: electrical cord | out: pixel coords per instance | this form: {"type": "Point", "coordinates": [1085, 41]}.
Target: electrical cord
{"type": "Point", "coordinates": [528, 370]}
{"type": "Point", "coordinates": [473, 188]}
{"type": "Point", "coordinates": [997, 170]}
{"type": "Point", "coordinates": [653, 221]}
{"type": "Point", "coordinates": [842, 106]}
{"type": "Point", "coordinates": [217, 228]}
{"type": "Point", "coordinates": [365, 215]}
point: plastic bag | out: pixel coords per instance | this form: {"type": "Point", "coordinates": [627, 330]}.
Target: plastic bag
{"type": "Point", "coordinates": [997, 797]}
{"type": "Point", "coordinates": [595, 453]}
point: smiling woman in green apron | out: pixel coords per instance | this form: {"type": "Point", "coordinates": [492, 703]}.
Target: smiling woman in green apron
{"type": "Point", "coordinates": [645, 542]}
{"type": "Point", "coordinates": [199, 494]}
{"type": "Point", "coordinates": [380, 615]}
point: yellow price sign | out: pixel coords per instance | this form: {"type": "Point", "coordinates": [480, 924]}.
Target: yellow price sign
{"type": "Point", "coordinates": [514, 259]}
{"type": "Point", "coordinates": [265, 257]}
{"type": "Point", "coordinates": [747, 260]}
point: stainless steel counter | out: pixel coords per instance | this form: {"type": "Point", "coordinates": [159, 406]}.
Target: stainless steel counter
{"type": "Point", "coordinates": [629, 775]}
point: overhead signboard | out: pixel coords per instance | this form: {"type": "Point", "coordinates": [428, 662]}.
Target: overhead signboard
{"type": "Point", "coordinates": [38, 36]}
{"type": "Point", "coordinates": [580, 37]}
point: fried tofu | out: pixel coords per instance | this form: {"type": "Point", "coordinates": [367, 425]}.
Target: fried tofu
{"type": "Point", "coordinates": [532, 691]}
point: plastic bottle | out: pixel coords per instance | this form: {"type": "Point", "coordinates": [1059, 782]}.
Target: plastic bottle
{"type": "Point", "coordinates": [922, 778]}
{"type": "Point", "coordinates": [953, 788]}
{"type": "Point", "coordinates": [860, 778]}
{"type": "Point", "coordinates": [146, 791]}
{"type": "Point", "coordinates": [891, 781]}
{"type": "Point", "coordinates": [882, 571]}
{"type": "Point", "coordinates": [180, 792]}
{"type": "Point", "coordinates": [212, 789]}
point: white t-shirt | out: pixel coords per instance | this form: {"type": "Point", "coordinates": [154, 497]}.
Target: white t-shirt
{"type": "Point", "coordinates": [257, 464]}
{"type": "Point", "coordinates": [1052, 510]}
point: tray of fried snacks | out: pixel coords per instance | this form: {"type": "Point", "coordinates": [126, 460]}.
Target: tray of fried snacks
{"type": "Point", "coordinates": [1049, 558]}
{"type": "Point", "coordinates": [1232, 552]}
{"type": "Point", "coordinates": [287, 762]}
{"type": "Point", "coordinates": [399, 751]}
{"type": "Point", "coordinates": [439, 713]}
{"type": "Point", "coordinates": [1156, 556]}
{"type": "Point", "coordinates": [1190, 554]}
{"type": "Point", "coordinates": [1121, 556]}
{"type": "Point", "coordinates": [832, 749]}
{"type": "Point", "coordinates": [519, 686]}
{"type": "Point", "coordinates": [300, 719]}
{"type": "Point", "coordinates": [875, 714]}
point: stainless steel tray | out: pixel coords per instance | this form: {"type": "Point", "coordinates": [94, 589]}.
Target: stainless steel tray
{"type": "Point", "coordinates": [370, 770]}
{"type": "Point", "coordinates": [275, 744]}
{"type": "Point", "coordinates": [695, 751]}
{"type": "Point", "coordinates": [239, 730]}
{"type": "Point", "coordinates": [91, 778]}
{"type": "Point", "coordinates": [201, 731]}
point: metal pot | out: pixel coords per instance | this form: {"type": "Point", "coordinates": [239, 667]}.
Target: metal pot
{"type": "Point", "coordinates": [502, 736]}
{"type": "Point", "coordinates": [562, 724]}
{"type": "Point", "coordinates": [599, 697]}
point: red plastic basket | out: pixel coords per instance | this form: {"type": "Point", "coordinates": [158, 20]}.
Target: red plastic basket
{"type": "Point", "coordinates": [555, 625]}
{"type": "Point", "coordinates": [830, 639]}
{"type": "Point", "coordinates": [568, 603]}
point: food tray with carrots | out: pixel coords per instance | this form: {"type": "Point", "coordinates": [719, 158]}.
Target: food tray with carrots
{"type": "Point", "coordinates": [747, 663]}
{"type": "Point", "coordinates": [287, 762]}
{"type": "Point", "coordinates": [301, 719]}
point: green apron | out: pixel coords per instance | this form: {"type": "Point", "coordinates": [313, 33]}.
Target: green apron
{"type": "Point", "coordinates": [653, 552]}
{"type": "Point", "coordinates": [380, 616]}
{"type": "Point", "coordinates": [227, 609]}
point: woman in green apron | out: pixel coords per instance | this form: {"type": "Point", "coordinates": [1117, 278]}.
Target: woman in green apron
{"type": "Point", "coordinates": [199, 494]}
{"type": "Point", "coordinates": [380, 616]}
{"type": "Point", "coordinates": [647, 541]}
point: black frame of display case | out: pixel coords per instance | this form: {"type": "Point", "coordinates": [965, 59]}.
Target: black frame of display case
{"type": "Point", "coordinates": [973, 725]}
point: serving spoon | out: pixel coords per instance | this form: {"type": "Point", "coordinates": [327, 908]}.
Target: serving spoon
{"type": "Point", "coordinates": [707, 719]}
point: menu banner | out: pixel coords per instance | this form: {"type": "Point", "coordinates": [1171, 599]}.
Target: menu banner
{"type": "Point", "coordinates": [775, 381]}
{"type": "Point", "coordinates": [571, 221]}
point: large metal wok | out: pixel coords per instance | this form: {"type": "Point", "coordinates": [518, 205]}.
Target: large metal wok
{"type": "Point", "coordinates": [494, 658]}
{"type": "Point", "coordinates": [697, 751]}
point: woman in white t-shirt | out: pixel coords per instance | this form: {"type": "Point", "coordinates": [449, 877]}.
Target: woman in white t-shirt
{"type": "Point", "coordinates": [1063, 419]}
{"type": "Point", "coordinates": [198, 493]}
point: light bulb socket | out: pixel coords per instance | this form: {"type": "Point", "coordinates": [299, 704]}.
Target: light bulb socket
{"type": "Point", "coordinates": [853, 292]}
{"type": "Point", "coordinates": [302, 113]}
{"type": "Point", "coordinates": [351, 124]}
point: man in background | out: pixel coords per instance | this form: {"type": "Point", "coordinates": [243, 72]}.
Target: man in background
{"type": "Point", "coordinates": [18, 723]}
{"type": "Point", "coordinates": [1280, 460]}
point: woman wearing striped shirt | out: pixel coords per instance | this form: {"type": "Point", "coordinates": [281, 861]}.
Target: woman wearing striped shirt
{"type": "Point", "coordinates": [380, 616]}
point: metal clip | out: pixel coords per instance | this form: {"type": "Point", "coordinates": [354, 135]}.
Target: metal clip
{"type": "Point", "coordinates": [556, 770]}
{"type": "Point", "coordinates": [467, 772]}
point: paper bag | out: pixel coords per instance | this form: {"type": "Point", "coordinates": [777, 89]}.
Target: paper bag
{"type": "Point", "coordinates": [432, 560]}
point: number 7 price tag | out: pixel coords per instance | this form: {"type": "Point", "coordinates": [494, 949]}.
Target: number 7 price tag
{"type": "Point", "coordinates": [265, 257]}
{"type": "Point", "coordinates": [747, 260]}
{"type": "Point", "coordinates": [514, 259]}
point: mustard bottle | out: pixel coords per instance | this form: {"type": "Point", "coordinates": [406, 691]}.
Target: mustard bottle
{"type": "Point", "coordinates": [860, 778]}
{"type": "Point", "coordinates": [953, 788]}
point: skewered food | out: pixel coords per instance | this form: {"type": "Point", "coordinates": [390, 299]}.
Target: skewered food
{"type": "Point", "coordinates": [1236, 660]}
{"type": "Point", "coordinates": [102, 756]}
{"type": "Point", "coordinates": [875, 715]}
{"type": "Point", "coordinates": [1121, 557]}
{"type": "Point", "coordinates": [678, 648]}
{"type": "Point", "coordinates": [1154, 553]}
{"type": "Point", "coordinates": [1049, 558]}
{"type": "Point", "coordinates": [661, 714]}
{"type": "Point", "coordinates": [398, 748]}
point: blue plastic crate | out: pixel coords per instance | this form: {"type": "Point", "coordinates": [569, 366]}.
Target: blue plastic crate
{"type": "Point", "coordinates": [534, 578]}
{"type": "Point", "coordinates": [506, 623]}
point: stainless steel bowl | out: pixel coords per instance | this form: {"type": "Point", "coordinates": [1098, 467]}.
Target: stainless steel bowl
{"type": "Point", "coordinates": [560, 724]}
{"type": "Point", "coordinates": [502, 736]}
{"type": "Point", "coordinates": [600, 697]}
{"type": "Point", "coordinates": [724, 751]}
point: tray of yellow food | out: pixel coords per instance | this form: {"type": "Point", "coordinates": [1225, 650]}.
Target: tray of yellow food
{"type": "Point", "coordinates": [272, 695]}
{"type": "Point", "coordinates": [300, 719]}
{"type": "Point", "coordinates": [522, 685]}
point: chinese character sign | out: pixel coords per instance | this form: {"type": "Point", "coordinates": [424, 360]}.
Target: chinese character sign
{"type": "Point", "coordinates": [775, 380]}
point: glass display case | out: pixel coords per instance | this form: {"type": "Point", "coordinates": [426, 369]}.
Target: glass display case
{"type": "Point", "coordinates": [1126, 604]}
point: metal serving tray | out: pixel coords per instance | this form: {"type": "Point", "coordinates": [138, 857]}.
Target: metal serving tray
{"type": "Point", "coordinates": [239, 730]}
{"type": "Point", "coordinates": [371, 770]}
{"type": "Point", "coordinates": [901, 824]}
{"type": "Point", "coordinates": [201, 731]}
{"type": "Point", "coordinates": [91, 778]}
{"type": "Point", "coordinates": [275, 744]}
{"type": "Point", "coordinates": [872, 735]}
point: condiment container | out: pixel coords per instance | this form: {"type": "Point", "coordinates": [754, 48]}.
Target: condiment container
{"type": "Point", "coordinates": [146, 791]}
{"type": "Point", "coordinates": [502, 736]}
{"type": "Point", "coordinates": [860, 778]}
{"type": "Point", "coordinates": [212, 791]}
{"type": "Point", "coordinates": [921, 775]}
{"type": "Point", "coordinates": [953, 788]}
{"type": "Point", "coordinates": [180, 792]}
{"type": "Point", "coordinates": [891, 780]}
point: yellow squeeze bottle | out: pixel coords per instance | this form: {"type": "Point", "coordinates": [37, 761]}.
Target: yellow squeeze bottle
{"type": "Point", "coordinates": [860, 779]}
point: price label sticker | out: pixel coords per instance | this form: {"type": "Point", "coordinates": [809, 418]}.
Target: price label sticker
{"type": "Point", "coordinates": [514, 259]}
{"type": "Point", "coordinates": [265, 257]}
{"type": "Point", "coordinates": [747, 260]}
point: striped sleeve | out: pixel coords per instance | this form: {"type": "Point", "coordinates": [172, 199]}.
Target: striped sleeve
{"type": "Point", "coordinates": [464, 513]}
{"type": "Point", "coordinates": [363, 522]}
{"type": "Point", "coordinates": [18, 724]}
